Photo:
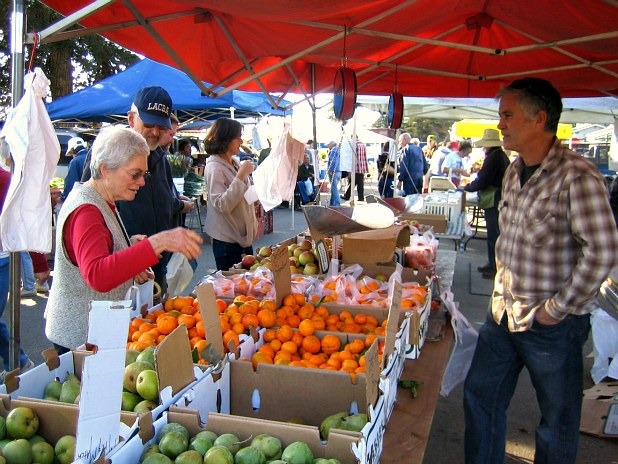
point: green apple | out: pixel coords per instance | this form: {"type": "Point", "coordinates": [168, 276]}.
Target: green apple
{"type": "Point", "coordinates": [22, 422]}
{"type": "Point", "coordinates": [144, 406]}
{"type": "Point", "coordinates": [189, 457]}
{"type": "Point", "coordinates": [230, 441]}
{"type": "Point", "coordinates": [150, 449]}
{"type": "Point", "coordinates": [147, 355]}
{"type": "Point", "coordinates": [157, 458]}
{"type": "Point", "coordinates": [3, 443]}
{"type": "Point", "coordinates": [269, 445]}
{"type": "Point", "coordinates": [131, 372]}
{"type": "Point", "coordinates": [65, 449]}
{"type": "Point", "coordinates": [201, 444]}
{"type": "Point", "coordinates": [249, 455]}
{"type": "Point", "coordinates": [129, 401]}
{"type": "Point", "coordinates": [206, 434]}
{"type": "Point", "coordinates": [53, 389]}
{"type": "Point", "coordinates": [43, 453]}
{"type": "Point", "coordinates": [147, 385]}
{"type": "Point", "coordinates": [218, 455]}
{"type": "Point", "coordinates": [173, 443]}
{"type": "Point", "coordinates": [18, 452]}
{"type": "Point", "coordinates": [172, 427]}
{"type": "Point", "coordinates": [36, 439]}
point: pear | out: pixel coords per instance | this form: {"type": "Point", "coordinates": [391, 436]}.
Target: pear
{"type": "Point", "coordinates": [147, 355]}
{"type": "Point", "coordinates": [354, 423]}
{"type": "Point", "coordinates": [70, 389]}
{"type": "Point", "coordinates": [331, 422]}
{"type": "Point", "coordinates": [130, 356]}
{"type": "Point", "coordinates": [52, 389]}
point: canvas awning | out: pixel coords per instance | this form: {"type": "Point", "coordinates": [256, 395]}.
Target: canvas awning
{"type": "Point", "coordinates": [110, 99]}
{"type": "Point", "coordinates": [419, 47]}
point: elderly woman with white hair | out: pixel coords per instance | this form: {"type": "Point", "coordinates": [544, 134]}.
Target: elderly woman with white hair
{"type": "Point", "coordinates": [95, 258]}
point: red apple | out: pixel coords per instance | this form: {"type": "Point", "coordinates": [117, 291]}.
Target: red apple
{"type": "Point", "coordinates": [311, 269]}
{"type": "Point", "coordinates": [306, 245]}
{"type": "Point", "coordinates": [306, 257]}
{"type": "Point", "coordinates": [248, 261]}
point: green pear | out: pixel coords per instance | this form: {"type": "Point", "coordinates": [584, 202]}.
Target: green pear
{"type": "Point", "coordinates": [147, 355]}
{"type": "Point", "coordinates": [130, 356]}
{"type": "Point", "coordinates": [70, 389]}
{"type": "Point", "coordinates": [53, 389]}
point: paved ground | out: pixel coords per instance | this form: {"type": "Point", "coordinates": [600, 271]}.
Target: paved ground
{"type": "Point", "coordinates": [472, 292]}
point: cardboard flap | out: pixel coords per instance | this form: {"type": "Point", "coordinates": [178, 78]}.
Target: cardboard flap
{"type": "Point", "coordinates": [210, 315]}
{"type": "Point", "coordinates": [372, 372]}
{"type": "Point", "coordinates": [280, 267]}
{"type": "Point", "coordinates": [173, 360]}
{"type": "Point", "coordinates": [393, 321]}
{"type": "Point", "coordinates": [375, 246]}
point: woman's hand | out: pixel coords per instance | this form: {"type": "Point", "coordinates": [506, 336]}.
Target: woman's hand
{"type": "Point", "coordinates": [144, 276]}
{"type": "Point", "coordinates": [180, 240]}
{"type": "Point", "coordinates": [245, 168]}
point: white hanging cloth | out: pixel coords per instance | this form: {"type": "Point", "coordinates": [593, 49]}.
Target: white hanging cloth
{"type": "Point", "coordinates": [26, 219]}
{"type": "Point", "coordinates": [275, 177]}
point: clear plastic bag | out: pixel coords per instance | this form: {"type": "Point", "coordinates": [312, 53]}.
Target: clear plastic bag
{"type": "Point", "coordinates": [465, 344]}
{"type": "Point", "coordinates": [604, 345]}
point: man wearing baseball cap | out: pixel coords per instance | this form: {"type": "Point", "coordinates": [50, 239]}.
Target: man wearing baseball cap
{"type": "Point", "coordinates": [78, 149]}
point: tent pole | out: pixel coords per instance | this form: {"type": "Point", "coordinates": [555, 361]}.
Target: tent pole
{"type": "Point", "coordinates": [17, 89]}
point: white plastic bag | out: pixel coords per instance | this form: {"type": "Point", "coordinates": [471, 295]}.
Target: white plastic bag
{"type": "Point", "coordinates": [604, 345]}
{"type": "Point", "coordinates": [141, 296]}
{"type": "Point", "coordinates": [179, 274]}
{"type": "Point", "coordinates": [465, 344]}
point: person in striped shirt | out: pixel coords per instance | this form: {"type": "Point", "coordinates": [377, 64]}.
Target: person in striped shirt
{"type": "Point", "coordinates": [558, 242]}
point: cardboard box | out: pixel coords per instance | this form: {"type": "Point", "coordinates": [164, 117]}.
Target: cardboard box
{"type": "Point", "coordinates": [437, 221]}
{"type": "Point", "coordinates": [342, 445]}
{"type": "Point", "coordinates": [374, 246]}
{"type": "Point", "coordinates": [600, 410]}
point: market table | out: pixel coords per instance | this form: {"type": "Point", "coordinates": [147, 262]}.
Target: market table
{"type": "Point", "coordinates": [408, 428]}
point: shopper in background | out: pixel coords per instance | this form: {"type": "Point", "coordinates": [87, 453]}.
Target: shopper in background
{"type": "Point", "coordinates": [78, 149]}
{"type": "Point", "coordinates": [334, 172]}
{"type": "Point", "coordinates": [453, 165]}
{"type": "Point", "coordinates": [558, 242]}
{"type": "Point", "coordinates": [386, 172]}
{"type": "Point", "coordinates": [24, 362]}
{"type": "Point", "coordinates": [412, 166]}
{"type": "Point", "coordinates": [431, 147]}
{"type": "Point", "coordinates": [361, 168]}
{"type": "Point", "coordinates": [488, 183]}
{"type": "Point", "coordinates": [96, 259]}
{"type": "Point", "coordinates": [231, 221]}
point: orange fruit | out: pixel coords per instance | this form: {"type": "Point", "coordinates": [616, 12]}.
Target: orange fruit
{"type": "Point", "coordinates": [221, 305]}
{"type": "Point", "coordinates": [268, 349]}
{"type": "Point", "coordinates": [289, 300]}
{"type": "Point", "coordinates": [270, 335]}
{"type": "Point", "coordinates": [268, 304]}
{"type": "Point", "coordinates": [306, 327]}
{"type": "Point", "coordinates": [166, 324]}
{"type": "Point", "coordinates": [299, 298]}
{"type": "Point", "coordinates": [284, 333]}
{"type": "Point", "coordinates": [182, 301]}
{"type": "Point", "coordinates": [238, 328]}
{"type": "Point", "coordinates": [201, 331]}
{"type": "Point", "coordinates": [318, 322]}
{"type": "Point", "coordinates": [290, 347]}
{"type": "Point", "coordinates": [188, 320]}
{"type": "Point", "coordinates": [250, 320]}
{"type": "Point", "coordinates": [293, 321]}
{"type": "Point", "coordinates": [230, 335]}
{"type": "Point", "coordinates": [330, 344]}
{"type": "Point", "coordinates": [260, 357]}
{"type": "Point", "coordinates": [356, 346]}
{"type": "Point", "coordinates": [267, 318]}
{"type": "Point", "coordinates": [297, 338]}
{"type": "Point", "coordinates": [311, 344]}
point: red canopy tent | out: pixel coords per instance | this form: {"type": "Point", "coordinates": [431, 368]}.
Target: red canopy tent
{"type": "Point", "coordinates": [437, 48]}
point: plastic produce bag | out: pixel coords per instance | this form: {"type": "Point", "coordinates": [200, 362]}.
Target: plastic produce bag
{"type": "Point", "coordinates": [141, 296]}
{"type": "Point", "coordinates": [179, 274]}
{"type": "Point", "coordinates": [465, 344]}
{"type": "Point", "coordinates": [604, 345]}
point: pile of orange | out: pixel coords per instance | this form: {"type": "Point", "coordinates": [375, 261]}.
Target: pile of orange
{"type": "Point", "coordinates": [286, 346]}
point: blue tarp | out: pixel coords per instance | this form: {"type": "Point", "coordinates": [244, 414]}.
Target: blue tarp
{"type": "Point", "coordinates": [110, 99]}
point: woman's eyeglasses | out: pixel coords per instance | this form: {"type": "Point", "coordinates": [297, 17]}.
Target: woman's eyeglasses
{"type": "Point", "coordinates": [137, 175]}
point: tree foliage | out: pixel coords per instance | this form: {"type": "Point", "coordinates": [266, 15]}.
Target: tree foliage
{"type": "Point", "coordinates": [70, 65]}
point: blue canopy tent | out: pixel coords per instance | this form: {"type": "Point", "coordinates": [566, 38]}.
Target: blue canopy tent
{"type": "Point", "coordinates": [110, 99]}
